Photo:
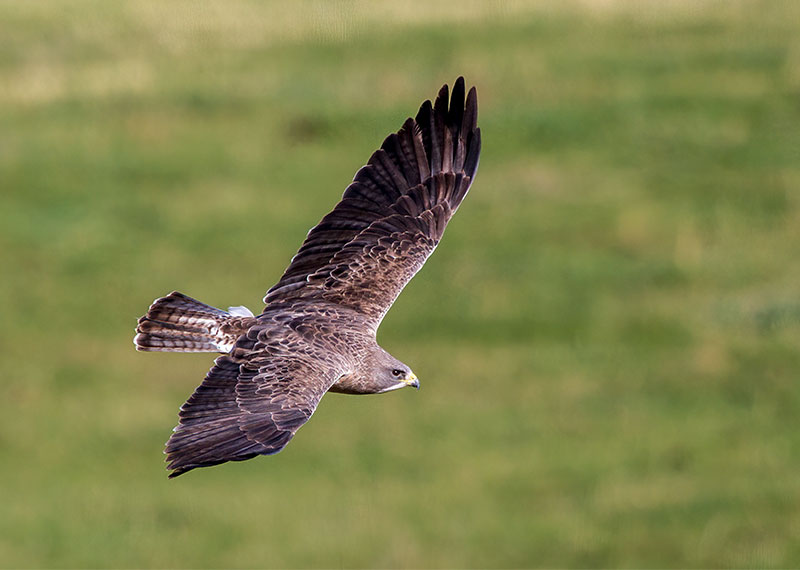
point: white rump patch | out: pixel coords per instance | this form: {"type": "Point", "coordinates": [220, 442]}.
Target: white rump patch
{"type": "Point", "coordinates": [240, 311]}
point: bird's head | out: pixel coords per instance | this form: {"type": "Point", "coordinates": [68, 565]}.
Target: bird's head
{"type": "Point", "coordinates": [389, 374]}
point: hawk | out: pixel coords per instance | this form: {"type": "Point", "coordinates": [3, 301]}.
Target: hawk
{"type": "Point", "coordinates": [317, 331]}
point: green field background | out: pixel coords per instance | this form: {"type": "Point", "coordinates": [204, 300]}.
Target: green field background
{"type": "Point", "coordinates": [608, 338]}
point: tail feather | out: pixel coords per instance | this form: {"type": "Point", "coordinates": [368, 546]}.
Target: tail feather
{"type": "Point", "coordinates": [178, 323]}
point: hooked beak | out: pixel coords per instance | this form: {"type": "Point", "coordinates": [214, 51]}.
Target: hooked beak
{"type": "Point", "coordinates": [412, 381]}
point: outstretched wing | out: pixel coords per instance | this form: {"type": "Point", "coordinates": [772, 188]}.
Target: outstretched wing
{"type": "Point", "coordinates": [251, 402]}
{"type": "Point", "coordinates": [393, 214]}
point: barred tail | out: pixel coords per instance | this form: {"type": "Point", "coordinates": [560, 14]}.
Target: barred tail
{"type": "Point", "coordinates": [178, 323]}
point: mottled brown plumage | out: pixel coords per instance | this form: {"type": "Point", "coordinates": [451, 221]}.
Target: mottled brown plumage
{"type": "Point", "coordinates": [317, 331]}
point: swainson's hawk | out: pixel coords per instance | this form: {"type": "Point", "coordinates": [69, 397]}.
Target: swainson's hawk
{"type": "Point", "coordinates": [317, 331]}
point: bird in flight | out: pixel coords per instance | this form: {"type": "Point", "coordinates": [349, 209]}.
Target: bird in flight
{"type": "Point", "coordinates": [317, 331]}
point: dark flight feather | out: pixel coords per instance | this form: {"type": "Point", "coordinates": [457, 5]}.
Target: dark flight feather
{"type": "Point", "coordinates": [415, 165]}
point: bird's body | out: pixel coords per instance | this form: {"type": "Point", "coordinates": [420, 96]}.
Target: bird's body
{"type": "Point", "coordinates": [317, 332]}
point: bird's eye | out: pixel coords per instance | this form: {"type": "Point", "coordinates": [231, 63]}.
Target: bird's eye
{"type": "Point", "coordinates": [398, 372]}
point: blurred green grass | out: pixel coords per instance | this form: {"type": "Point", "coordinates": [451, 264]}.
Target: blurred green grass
{"type": "Point", "coordinates": [607, 337]}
